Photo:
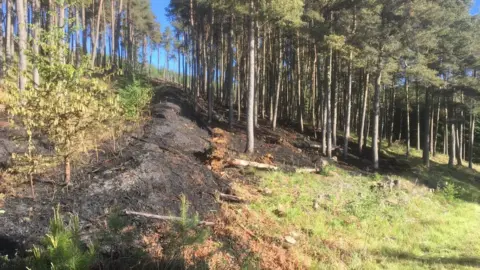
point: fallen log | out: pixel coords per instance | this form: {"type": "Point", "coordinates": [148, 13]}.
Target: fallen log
{"type": "Point", "coordinates": [159, 217]}
{"type": "Point", "coordinates": [307, 144]}
{"type": "Point", "coordinates": [307, 170]}
{"type": "Point", "coordinates": [246, 163]}
{"type": "Point", "coordinates": [230, 198]}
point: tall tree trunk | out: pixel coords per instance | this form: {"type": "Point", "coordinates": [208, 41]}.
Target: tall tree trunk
{"type": "Point", "coordinates": [229, 76]}
{"type": "Point", "coordinates": [328, 101]}
{"type": "Point", "coordinates": [251, 86]}
{"type": "Point", "coordinates": [61, 26]}
{"type": "Point", "coordinates": [97, 32]}
{"type": "Point", "coordinates": [418, 114]}
{"type": "Point", "coordinates": [84, 30]}
{"type": "Point", "coordinates": [36, 21]}
{"type": "Point", "coordinates": [112, 32]}
{"type": "Point", "coordinates": [452, 143]}
{"type": "Point", "coordinates": [392, 117]}
{"type": "Point", "coordinates": [435, 134]}
{"type": "Point", "coordinates": [299, 85]}
{"type": "Point", "coordinates": [22, 44]}
{"type": "Point", "coordinates": [8, 33]}
{"type": "Point", "coordinates": [426, 135]}
{"type": "Point", "coordinates": [278, 83]}
{"type": "Point", "coordinates": [470, 141]}
{"type": "Point", "coordinates": [349, 106]}
{"type": "Point", "coordinates": [364, 113]}
{"type": "Point", "coordinates": [2, 52]}
{"type": "Point", "coordinates": [376, 118]}
{"type": "Point", "coordinates": [407, 103]}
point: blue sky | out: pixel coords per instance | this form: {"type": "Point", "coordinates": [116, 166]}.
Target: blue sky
{"type": "Point", "coordinates": [159, 6]}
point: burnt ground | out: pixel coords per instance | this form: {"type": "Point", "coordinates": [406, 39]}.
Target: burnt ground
{"type": "Point", "coordinates": [149, 171]}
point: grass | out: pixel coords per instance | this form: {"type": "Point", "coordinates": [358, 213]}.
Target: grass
{"type": "Point", "coordinates": [354, 226]}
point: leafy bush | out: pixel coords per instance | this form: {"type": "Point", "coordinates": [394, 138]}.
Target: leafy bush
{"type": "Point", "coordinates": [62, 248]}
{"type": "Point", "coordinates": [134, 98]}
{"type": "Point", "coordinates": [69, 105]}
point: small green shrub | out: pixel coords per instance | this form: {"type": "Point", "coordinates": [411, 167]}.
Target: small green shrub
{"type": "Point", "coordinates": [326, 170]}
{"type": "Point", "coordinates": [185, 232]}
{"type": "Point", "coordinates": [134, 98]}
{"type": "Point", "coordinates": [450, 191]}
{"type": "Point", "coordinates": [62, 248]}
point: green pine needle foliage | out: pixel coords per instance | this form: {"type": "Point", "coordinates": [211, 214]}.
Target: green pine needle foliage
{"type": "Point", "coordinates": [62, 248]}
{"type": "Point", "coordinates": [135, 96]}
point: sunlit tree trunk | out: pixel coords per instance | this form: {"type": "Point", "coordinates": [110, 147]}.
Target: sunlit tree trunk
{"type": "Point", "coordinates": [376, 118]}
{"type": "Point", "coordinates": [22, 44]}
{"type": "Point", "coordinates": [97, 32]}
{"type": "Point", "coordinates": [251, 86]}
{"type": "Point", "coordinates": [364, 113]}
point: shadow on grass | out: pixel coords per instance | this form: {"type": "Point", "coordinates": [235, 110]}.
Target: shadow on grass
{"type": "Point", "coordinates": [430, 260]}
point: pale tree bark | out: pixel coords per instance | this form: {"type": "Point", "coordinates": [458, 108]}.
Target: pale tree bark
{"type": "Point", "coordinates": [435, 134]}
{"type": "Point", "coordinates": [452, 143]}
{"type": "Point", "coordinates": [8, 34]}
{"type": "Point", "coordinates": [251, 86]}
{"type": "Point", "coordinates": [61, 26]}
{"type": "Point", "coordinates": [299, 85]}
{"type": "Point", "coordinates": [348, 106]}
{"type": "Point", "coordinates": [418, 115]}
{"type": "Point", "coordinates": [229, 74]}
{"type": "Point", "coordinates": [112, 32]}
{"type": "Point", "coordinates": [407, 104]}
{"type": "Point", "coordinates": [364, 113]}
{"type": "Point", "coordinates": [22, 44]}
{"type": "Point", "coordinates": [278, 83]}
{"type": "Point", "coordinates": [97, 32]}
{"type": "Point", "coordinates": [328, 98]}
{"type": "Point", "coordinates": [392, 117]}
{"type": "Point", "coordinates": [2, 59]}
{"type": "Point", "coordinates": [426, 135]}
{"type": "Point", "coordinates": [36, 25]}
{"type": "Point", "coordinates": [470, 141]}
{"type": "Point", "coordinates": [376, 118]}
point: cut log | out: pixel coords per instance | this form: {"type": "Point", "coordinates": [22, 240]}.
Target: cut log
{"type": "Point", "coordinates": [171, 218]}
{"type": "Point", "coordinates": [246, 163]}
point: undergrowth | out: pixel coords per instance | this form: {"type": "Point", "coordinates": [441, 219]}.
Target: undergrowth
{"type": "Point", "coordinates": [111, 248]}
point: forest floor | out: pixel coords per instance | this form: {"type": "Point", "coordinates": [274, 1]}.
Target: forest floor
{"type": "Point", "coordinates": [403, 217]}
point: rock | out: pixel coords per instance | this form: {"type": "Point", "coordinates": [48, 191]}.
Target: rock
{"type": "Point", "coordinates": [267, 191]}
{"type": "Point", "coordinates": [295, 234]}
{"type": "Point", "coordinates": [280, 211]}
{"type": "Point", "coordinates": [335, 159]}
{"type": "Point", "coordinates": [316, 204]}
{"type": "Point", "coordinates": [289, 239]}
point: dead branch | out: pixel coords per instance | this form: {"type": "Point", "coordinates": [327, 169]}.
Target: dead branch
{"type": "Point", "coordinates": [246, 163]}
{"type": "Point", "coordinates": [171, 218]}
